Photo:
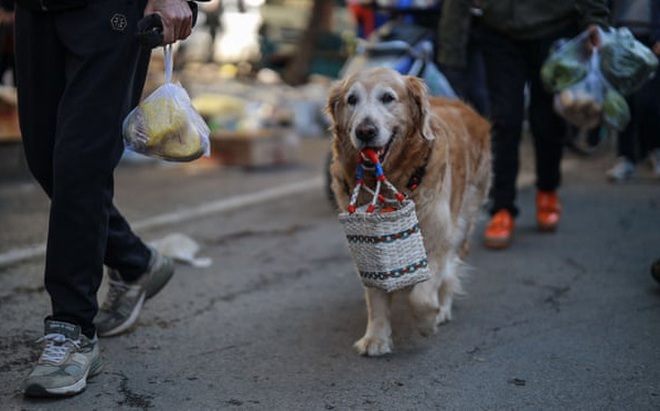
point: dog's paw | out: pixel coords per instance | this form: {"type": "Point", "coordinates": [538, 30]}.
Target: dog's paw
{"type": "Point", "coordinates": [444, 315]}
{"type": "Point", "coordinates": [428, 325]}
{"type": "Point", "coordinates": [373, 346]}
{"type": "Point", "coordinates": [427, 328]}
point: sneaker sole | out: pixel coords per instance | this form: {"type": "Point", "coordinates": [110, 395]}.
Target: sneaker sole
{"type": "Point", "coordinates": [546, 228]}
{"type": "Point", "coordinates": [152, 291]}
{"type": "Point", "coordinates": [36, 390]}
{"type": "Point", "coordinates": [126, 324]}
{"type": "Point", "coordinates": [497, 243]}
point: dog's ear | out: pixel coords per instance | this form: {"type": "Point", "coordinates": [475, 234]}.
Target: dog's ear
{"type": "Point", "coordinates": [419, 95]}
{"type": "Point", "coordinates": [334, 98]}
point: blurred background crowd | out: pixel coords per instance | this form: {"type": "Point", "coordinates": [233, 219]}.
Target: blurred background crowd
{"type": "Point", "coordinates": [252, 65]}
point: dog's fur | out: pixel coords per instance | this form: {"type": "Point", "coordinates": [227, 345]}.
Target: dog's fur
{"type": "Point", "coordinates": [381, 108]}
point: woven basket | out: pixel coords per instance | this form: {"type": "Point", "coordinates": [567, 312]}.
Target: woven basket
{"type": "Point", "coordinates": [384, 240]}
{"type": "Point", "coordinates": [387, 248]}
{"type": "Point", "coordinates": [383, 236]}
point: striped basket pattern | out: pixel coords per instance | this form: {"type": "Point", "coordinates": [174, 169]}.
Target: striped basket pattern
{"type": "Point", "coordinates": [387, 248]}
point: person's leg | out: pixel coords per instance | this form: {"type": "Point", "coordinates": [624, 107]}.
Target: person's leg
{"type": "Point", "coordinates": [647, 116]}
{"type": "Point", "coordinates": [80, 141]}
{"type": "Point", "coordinates": [477, 91]}
{"type": "Point", "coordinates": [548, 131]}
{"type": "Point", "coordinates": [505, 78]}
{"type": "Point", "coordinates": [652, 134]}
{"type": "Point", "coordinates": [626, 138]}
{"type": "Point", "coordinates": [624, 167]}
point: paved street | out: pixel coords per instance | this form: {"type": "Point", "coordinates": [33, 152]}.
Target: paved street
{"type": "Point", "coordinates": [569, 321]}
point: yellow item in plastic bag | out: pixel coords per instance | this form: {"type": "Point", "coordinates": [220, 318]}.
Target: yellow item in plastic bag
{"type": "Point", "coordinates": [166, 125]}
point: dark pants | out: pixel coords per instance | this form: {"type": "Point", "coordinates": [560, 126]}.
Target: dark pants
{"type": "Point", "coordinates": [78, 75]}
{"type": "Point", "coordinates": [510, 66]}
{"type": "Point", "coordinates": [469, 82]}
{"type": "Point", "coordinates": [642, 134]}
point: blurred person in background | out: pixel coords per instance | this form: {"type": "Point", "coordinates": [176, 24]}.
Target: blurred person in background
{"type": "Point", "coordinates": [7, 64]}
{"type": "Point", "coordinates": [364, 14]}
{"type": "Point", "coordinates": [641, 137]}
{"type": "Point", "coordinates": [213, 12]}
{"type": "Point", "coordinates": [459, 53]}
{"type": "Point", "coordinates": [80, 69]}
{"type": "Point", "coordinates": [515, 38]}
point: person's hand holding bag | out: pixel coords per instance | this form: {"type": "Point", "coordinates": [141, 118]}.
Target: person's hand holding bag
{"type": "Point", "coordinates": [176, 17]}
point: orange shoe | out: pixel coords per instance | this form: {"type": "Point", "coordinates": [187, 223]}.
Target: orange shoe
{"type": "Point", "coordinates": [548, 210]}
{"type": "Point", "coordinates": [499, 230]}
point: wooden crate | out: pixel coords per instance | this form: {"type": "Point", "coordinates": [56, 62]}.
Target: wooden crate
{"type": "Point", "coordinates": [9, 130]}
{"type": "Point", "coordinates": [265, 147]}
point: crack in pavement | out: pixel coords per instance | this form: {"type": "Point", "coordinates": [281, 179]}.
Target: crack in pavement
{"type": "Point", "coordinates": [131, 399]}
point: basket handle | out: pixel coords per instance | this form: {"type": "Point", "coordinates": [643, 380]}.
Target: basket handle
{"type": "Point", "coordinates": [380, 181]}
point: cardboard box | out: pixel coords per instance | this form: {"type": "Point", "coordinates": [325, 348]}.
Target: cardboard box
{"type": "Point", "coordinates": [259, 148]}
{"type": "Point", "coordinates": [9, 130]}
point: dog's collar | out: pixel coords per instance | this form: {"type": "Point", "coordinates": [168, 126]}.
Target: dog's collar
{"type": "Point", "coordinates": [416, 178]}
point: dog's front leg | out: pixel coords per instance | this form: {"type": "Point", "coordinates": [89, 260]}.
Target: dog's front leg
{"type": "Point", "coordinates": [377, 339]}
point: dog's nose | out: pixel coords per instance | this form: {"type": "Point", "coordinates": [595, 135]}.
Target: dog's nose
{"type": "Point", "coordinates": [366, 131]}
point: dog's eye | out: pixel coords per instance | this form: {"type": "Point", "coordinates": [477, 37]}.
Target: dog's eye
{"type": "Point", "coordinates": [351, 100]}
{"type": "Point", "coordinates": [387, 98]}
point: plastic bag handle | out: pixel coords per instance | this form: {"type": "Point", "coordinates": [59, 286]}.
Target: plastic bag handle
{"type": "Point", "coordinates": [169, 62]}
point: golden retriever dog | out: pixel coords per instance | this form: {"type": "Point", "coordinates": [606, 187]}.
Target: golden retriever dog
{"type": "Point", "coordinates": [437, 152]}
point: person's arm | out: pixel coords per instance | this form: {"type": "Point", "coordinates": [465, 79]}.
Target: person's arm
{"type": "Point", "coordinates": [593, 12]}
{"type": "Point", "coordinates": [453, 33]}
{"type": "Point", "coordinates": [176, 17]}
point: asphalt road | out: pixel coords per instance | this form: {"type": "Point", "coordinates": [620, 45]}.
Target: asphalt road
{"type": "Point", "coordinates": [562, 321]}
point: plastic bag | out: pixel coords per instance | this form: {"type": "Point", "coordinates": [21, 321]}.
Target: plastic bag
{"type": "Point", "coordinates": [567, 63]}
{"type": "Point", "coordinates": [166, 125]}
{"type": "Point", "coordinates": [626, 63]}
{"type": "Point", "coordinates": [583, 95]}
{"type": "Point", "coordinates": [616, 113]}
{"type": "Point", "coordinates": [581, 103]}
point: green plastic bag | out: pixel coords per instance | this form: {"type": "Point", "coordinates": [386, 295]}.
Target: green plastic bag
{"type": "Point", "coordinates": [626, 63]}
{"type": "Point", "coordinates": [567, 63]}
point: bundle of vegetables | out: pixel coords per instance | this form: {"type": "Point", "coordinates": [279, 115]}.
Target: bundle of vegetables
{"type": "Point", "coordinates": [581, 103]}
{"type": "Point", "coordinates": [616, 113]}
{"type": "Point", "coordinates": [567, 63]}
{"type": "Point", "coordinates": [589, 84]}
{"type": "Point", "coordinates": [626, 63]}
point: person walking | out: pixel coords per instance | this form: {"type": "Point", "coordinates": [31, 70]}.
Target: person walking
{"type": "Point", "coordinates": [459, 54]}
{"type": "Point", "coordinates": [80, 69]}
{"type": "Point", "coordinates": [641, 137]}
{"type": "Point", "coordinates": [515, 38]}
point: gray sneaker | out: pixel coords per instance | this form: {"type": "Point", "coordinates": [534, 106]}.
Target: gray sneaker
{"type": "Point", "coordinates": [654, 159]}
{"type": "Point", "coordinates": [624, 169]}
{"type": "Point", "coordinates": [69, 358]}
{"type": "Point", "coordinates": [124, 301]}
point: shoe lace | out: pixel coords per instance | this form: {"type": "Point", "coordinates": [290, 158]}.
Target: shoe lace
{"type": "Point", "coordinates": [57, 346]}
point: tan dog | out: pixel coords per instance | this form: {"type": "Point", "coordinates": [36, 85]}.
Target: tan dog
{"type": "Point", "coordinates": [437, 151]}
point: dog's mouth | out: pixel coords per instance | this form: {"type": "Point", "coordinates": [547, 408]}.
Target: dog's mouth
{"type": "Point", "coordinates": [381, 152]}
{"type": "Point", "coordinates": [368, 160]}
